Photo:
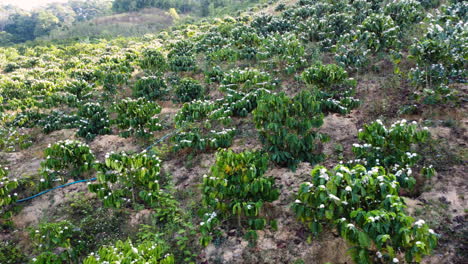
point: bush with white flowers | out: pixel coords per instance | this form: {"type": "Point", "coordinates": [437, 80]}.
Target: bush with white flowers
{"type": "Point", "coordinates": [136, 116]}
{"type": "Point", "coordinates": [94, 121]}
{"type": "Point", "coordinates": [129, 179]}
{"type": "Point", "coordinates": [128, 252]}
{"type": "Point", "coordinates": [50, 238]}
{"type": "Point", "coordinates": [7, 186]}
{"type": "Point", "coordinates": [236, 189]}
{"type": "Point", "coordinates": [64, 160]}
{"type": "Point", "coordinates": [366, 209]}
{"type": "Point", "coordinates": [393, 148]}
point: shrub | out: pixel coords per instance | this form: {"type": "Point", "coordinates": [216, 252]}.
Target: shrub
{"type": "Point", "coordinates": [393, 148]}
{"type": "Point", "coordinates": [286, 127]}
{"type": "Point", "coordinates": [94, 121]}
{"type": "Point", "coordinates": [57, 120]}
{"type": "Point", "coordinates": [365, 208]}
{"type": "Point", "coordinates": [197, 140]}
{"type": "Point", "coordinates": [125, 179]}
{"type": "Point", "coordinates": [51, 238]}
{"type": "Point", "coordinates": [246, 80]}
{"type": "Point", "coordinates": [336, 91]}
{"type": "Point", "coordinates": [188, 89]}
{"type": "Point", "coordinates": [79, 88]}
{"type": "Point", "coordinates": [379, 32]}
{"type": "Point", "coordinates": [7, 186]}
{"type": "Point", "coordinates": [150, 87]}
{"type": "Point", "coordinates": [64, 159]}
{"type": "Point", "coordinates": [404, 12]}
{"type": "Point", "coordinates": [127, 252]}
{"type": "Point", "coordinates": [152, 60]}
{"type": "Point", "coordinates": [137, 116]}
{"type": "Point", "coordinates": [237, 188]}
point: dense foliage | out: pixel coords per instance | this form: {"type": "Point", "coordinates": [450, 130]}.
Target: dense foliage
{"type": "Point", "coordinates": [287, 128]}
{"type": "Point", "coordinates": [394, 149]}
{"type": "Point", "coordinates": [237, 188]}
{"type": "Point", "coordinates": [137, 116]}
{"type": "Point", "coordinates": [365, 208]}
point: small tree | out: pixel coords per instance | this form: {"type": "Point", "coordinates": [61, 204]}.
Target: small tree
{"type": "Point", "coordinates": [133, 179]}
{"type": "Point", "coordinates": [334, 89]}
{"type": "Point", "coordinates": [365, 208]}
{"type": "Point", "coordinates": [65, 159]}
{"type": "Point", "coordinates": [127, 252]}
{"type": "Point", "coordinates": [237, 188]}
{"type": "Point", "coordinates": [94, 121]}
{"type": "Point", "coordinates": [152, 60]}
{"type": "Point", "coordinates": [286, 127]}
{"type": "Point", "coordinates": [150, 87]}
{"type": "Point", "coordinates": [393, 148]}
{"type": "Point", "coordinates": [188, 89]}
{"type": "Point", "coordinates": [137, 116]}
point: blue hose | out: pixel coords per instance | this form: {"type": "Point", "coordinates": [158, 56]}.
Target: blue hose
{"type": "Point", "coordinates": [58, 187]}
{"type": "Point", "coordinates": [92, 179]}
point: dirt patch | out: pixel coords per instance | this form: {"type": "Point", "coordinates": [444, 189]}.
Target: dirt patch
{"type": "Point", "coordinates": [39, 208]}
{"type": "Point", "coordinates": [107, 143]}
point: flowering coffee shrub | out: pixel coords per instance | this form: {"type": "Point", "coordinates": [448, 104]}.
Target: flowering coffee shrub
{"type": "Point", "coordinates": [405, 12]}
{"type": "Point", "coordinates": [181, 58]}
{"type": "Point", "coordinates": [57, 120]}
{"type": "Point", "coordinates": [7, 186]}
{"type": "Point", "coordinates": [286, 51]}
{"type": "Point", "coordinates": [287, 128]}
{"type": "Point", "coordinates": [188, 89]}
{"type": "Point", "coordinates": [94, 121]}
{"type": "Point", "coordinates": [246, 80]}
{"type": "Point", "coordinates": [49, 237]}
{"type": "Point", "coordinates": [133, 179]}
{"type": "Point", "coordinates": [392, 148]}
{"type": "Point", "coordinates": [65, 159]}
{"type": "Point", "coordinates": [237, 189]}
{"type": "Point", "coordinates": [80, 89]}
{"type": "Point", "coordinates": [137, 116]}
{"type": "Point", "coordinates": [379, 32]}
{"type": "Point", "coordinates": [150, 87]}
{"type": "Point", "coordinates": [196, 140]}
{"type": "Point", "coordinates": [335, 89]}
{"type": "Point", "coordinates": [152, 60]}
{"type": "Point", "coordinates": [127, 252]}
{"type": "Point", "coordinates": [365, 208]}
{"type": "Point", "coordinates": [113, 72]}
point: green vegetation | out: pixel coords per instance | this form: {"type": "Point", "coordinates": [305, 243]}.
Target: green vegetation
{"type": "Point", "coordinates": [251, 96]}
{"type": "Point", "coordinates": [237, 188]}
{"type": "Point", "coordinates": [286, 127]}
{"type": "Point", "coordinates": [365, 208]}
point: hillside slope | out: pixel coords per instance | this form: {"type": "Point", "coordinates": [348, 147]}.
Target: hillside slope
{"type": "Point", "coordinates": [300, 132]}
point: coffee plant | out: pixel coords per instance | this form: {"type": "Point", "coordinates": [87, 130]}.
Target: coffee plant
{"type": "Point", "coordinates": [287, 128]}
{"type": "Point", "coordinates": [80, 89]}
{"type": "Point", "coordinates": [57, 120]}
{"type": "Point", "coordinates": [196, 140]}
{"type": "Point", "coordinates": [405, 12]}
{"type": "Point", "coordinates": [335, 90]}
{"type": "Point", "coordinates": [125, 179]}
{"type": "Point", "coordinates": [127, 252]}
{"type": "Point", "coordinates": [365, 208]}
{"type": "Point", "coordinates": [152, 60]}
{"type": "Point", "coordinates": [246, 80]}
{"type": "Point", "coordinates": [150, 87]}
{"type": "Point", "coordinates": [393, 148]}
{"type": "Point", "coordinates": [65, 159]}
{"type": "Point", "coordinates": [181, 58]}
{"type": "Point", "coordinates": [50, 238]}
{"type": "Point", "coordinates": [136, 117]}
{"type": "Point", "coordinates": [188, 89]}
{"type": "Point", "coordinates": [94, 121]}
{"type": "Point", "coordinates": [379, 32]}
{"type": "Point", "coordinates": [7, 186]}
{"type": "Point", "coordinates": [237, 189]}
